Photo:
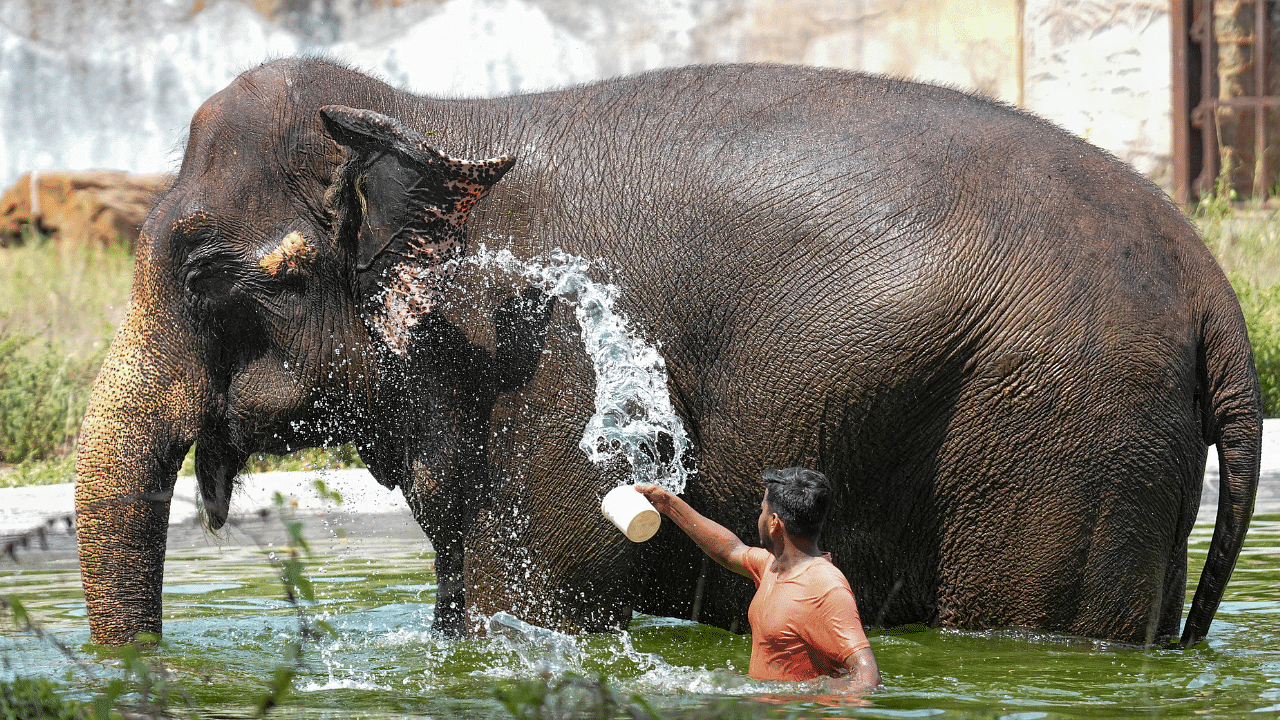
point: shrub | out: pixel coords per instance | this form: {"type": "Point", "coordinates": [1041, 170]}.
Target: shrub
{"type": "Point", "coordinates": [1261, 307]}
{"type": "Point", "coordinates": [42, 399]}
{"type": "Point", "coordinates": [31, 698]}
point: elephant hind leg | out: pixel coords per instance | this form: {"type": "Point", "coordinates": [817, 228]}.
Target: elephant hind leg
{"type": "Point", "coordinates": [1175, 585]}
{"type": "Point", "coordinates": [1123, 595]}
{"type": "Point", "coordinates": [1135, 581]}
{"type": "Point", "coordinates": [1096, 567]}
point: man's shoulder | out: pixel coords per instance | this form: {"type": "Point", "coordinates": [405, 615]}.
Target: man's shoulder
{"type": "Point", "coordinates": [756, 561]}
{"type": "Point", "coordinates": [757, 557]}
{"type": "Point", "coordinates": [825, 573]}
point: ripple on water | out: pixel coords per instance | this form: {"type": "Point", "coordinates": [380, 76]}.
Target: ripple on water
{"type": "Point", "coordinates": [887, 713]}
{"type": "Point", "coordinates": [222, 639]}
{"type": "Point", "coordinates": [1249, 606]}
{"type": "Point", "coordinates": [199, 588]}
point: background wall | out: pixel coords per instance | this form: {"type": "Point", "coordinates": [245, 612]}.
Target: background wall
{"type": "Point", "coordinates": [112, 83]}
{"type": "Point", "coordinates": [1102, 70]}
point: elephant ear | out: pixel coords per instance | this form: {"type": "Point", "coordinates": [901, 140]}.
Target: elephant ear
{"type": "Point", "coordinates": [404, 206]}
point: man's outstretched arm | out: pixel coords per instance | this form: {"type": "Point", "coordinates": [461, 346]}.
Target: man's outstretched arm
{"type": "Point", "coordinates": [715, 539]}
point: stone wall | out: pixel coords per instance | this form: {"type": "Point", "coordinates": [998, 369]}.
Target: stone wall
{"type": "Point", "coordinates": [112, 83]}
{"type": "Point", "coordinates": [1101, 69]}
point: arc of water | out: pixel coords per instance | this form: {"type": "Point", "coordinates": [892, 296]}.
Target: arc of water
{"type": "Point", "coordinates": [633, 406]}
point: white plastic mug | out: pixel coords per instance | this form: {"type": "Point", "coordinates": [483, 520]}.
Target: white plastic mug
{"type": "Point", "coordinates": [631, 512]}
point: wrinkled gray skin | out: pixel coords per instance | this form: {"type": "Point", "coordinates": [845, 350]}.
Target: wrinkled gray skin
{"type": "Point", "coordinates": [1007, 350]}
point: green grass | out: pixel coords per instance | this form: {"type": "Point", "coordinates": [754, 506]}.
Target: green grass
{"type": "Point", "coordinates": [1261, 306]}
{"type": "Point", "coordinates": [42, 398]}
{"type": "Point", "coordinates": [1246, 243]}
{"type": "Point", "coordinates": [71, 298]}
{"type": "Point", "coordinates": [59, 307]}
{"type": "Point", "coordinates": [308, 459]}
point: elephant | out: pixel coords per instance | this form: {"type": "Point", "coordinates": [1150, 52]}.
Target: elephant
{"type": "Point", "coordinates": [1007, 350]}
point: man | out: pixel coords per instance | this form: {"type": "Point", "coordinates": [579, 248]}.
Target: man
{"type": "Point", "coordinates": [804, 619]}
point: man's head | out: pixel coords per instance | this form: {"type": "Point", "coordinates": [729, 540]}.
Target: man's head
{"type": "Point", "coordinates": [799, 497]}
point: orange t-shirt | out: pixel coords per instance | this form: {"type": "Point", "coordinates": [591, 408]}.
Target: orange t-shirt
{"type": "Point", "coordinates": [803, 627]}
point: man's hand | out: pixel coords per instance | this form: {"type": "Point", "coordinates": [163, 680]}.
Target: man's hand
{"type": "Point", "coordinates": [657, 496]}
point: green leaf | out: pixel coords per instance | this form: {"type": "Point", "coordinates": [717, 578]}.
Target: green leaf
{"type": "Point", "coordinates": [293, 576]}
{"type": "Point", "coordinates": [295, 536]}
{"type": "Point", "coordinates": [325, 493]}
{"type": "Point", "coordinates": [20, 616]}
{"type": "Point", "coordinates": [277, 688]}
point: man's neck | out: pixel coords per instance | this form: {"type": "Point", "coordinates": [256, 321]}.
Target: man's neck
{"type": "Point", "coordinates": [792, 554]}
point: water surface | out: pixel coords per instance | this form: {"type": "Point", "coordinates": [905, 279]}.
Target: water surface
{"type": "Point", "coordinates": [228, 627]}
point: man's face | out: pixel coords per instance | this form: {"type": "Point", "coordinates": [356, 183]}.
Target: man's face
{"type": "Point", "coordinates": [762, 525]}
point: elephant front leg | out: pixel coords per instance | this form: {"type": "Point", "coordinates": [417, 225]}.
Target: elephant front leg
{"type": "Point", "coordinates": [446, 541]}
{"type": "Point", "coordinates": [445, 518]}
{"type": "Point", "coordinates": [450, 613]}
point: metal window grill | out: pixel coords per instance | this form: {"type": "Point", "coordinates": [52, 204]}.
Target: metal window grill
{"type": "Point", "coordinates": [1226, 98]}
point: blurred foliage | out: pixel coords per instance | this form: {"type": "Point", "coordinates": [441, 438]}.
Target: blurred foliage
{"type": "Point", "coordinates": [1261, 307]}
{"type": "Point", "coordinates": [42, 399]}
{"type": "Point", "coordinates": [29, 698]}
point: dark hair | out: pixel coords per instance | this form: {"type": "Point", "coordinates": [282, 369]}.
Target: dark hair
{"type": "Point", "coordinates": [800, 497]}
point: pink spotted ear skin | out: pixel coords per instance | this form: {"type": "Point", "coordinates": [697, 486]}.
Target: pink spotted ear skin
{"type": "Point", "coordinates": [407, 205]}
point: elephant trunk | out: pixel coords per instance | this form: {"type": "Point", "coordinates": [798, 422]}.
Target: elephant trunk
{"type": "Point", "coordinates": [142, 417]}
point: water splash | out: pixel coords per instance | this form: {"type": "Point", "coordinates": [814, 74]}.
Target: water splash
{"type": "Point", "coordinates": [634, 418]}
{"type": "Point", "coordinates": [514, 650]}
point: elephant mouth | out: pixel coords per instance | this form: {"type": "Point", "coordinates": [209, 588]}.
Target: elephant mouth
{"type": "Point", "coordinates": [218, 463]}
{"type": "Point", "coordinates": [215, 474]}
{"type": "Point", "coordinates": [224, 446]}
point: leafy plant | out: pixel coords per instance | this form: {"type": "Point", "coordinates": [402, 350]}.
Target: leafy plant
{"type": "Point", "coordinates": [26, 698]}
{"type": "Point", "coordinates": [1261, 307]}
{"type": "Point", "coordinates": [42, 400]}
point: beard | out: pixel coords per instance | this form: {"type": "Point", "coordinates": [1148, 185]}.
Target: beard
{"type": "Point", "coordinates": [766, 542]}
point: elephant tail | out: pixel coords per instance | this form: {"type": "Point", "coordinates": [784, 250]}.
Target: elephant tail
{"type": "Point", "coordinates": [1231, 403]}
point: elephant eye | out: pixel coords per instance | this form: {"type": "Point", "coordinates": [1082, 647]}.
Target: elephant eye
{"type": "Point", "coordinates": [221, 303]}
{"type": "Point", "coordinates": [208, 276]}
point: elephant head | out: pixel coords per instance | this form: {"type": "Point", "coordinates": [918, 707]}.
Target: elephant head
{"type": "Point", "coordinates": [285, 295]}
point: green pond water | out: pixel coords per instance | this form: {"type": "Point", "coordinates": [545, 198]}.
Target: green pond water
{"type": "Point", "coordinates": [228, 627]}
